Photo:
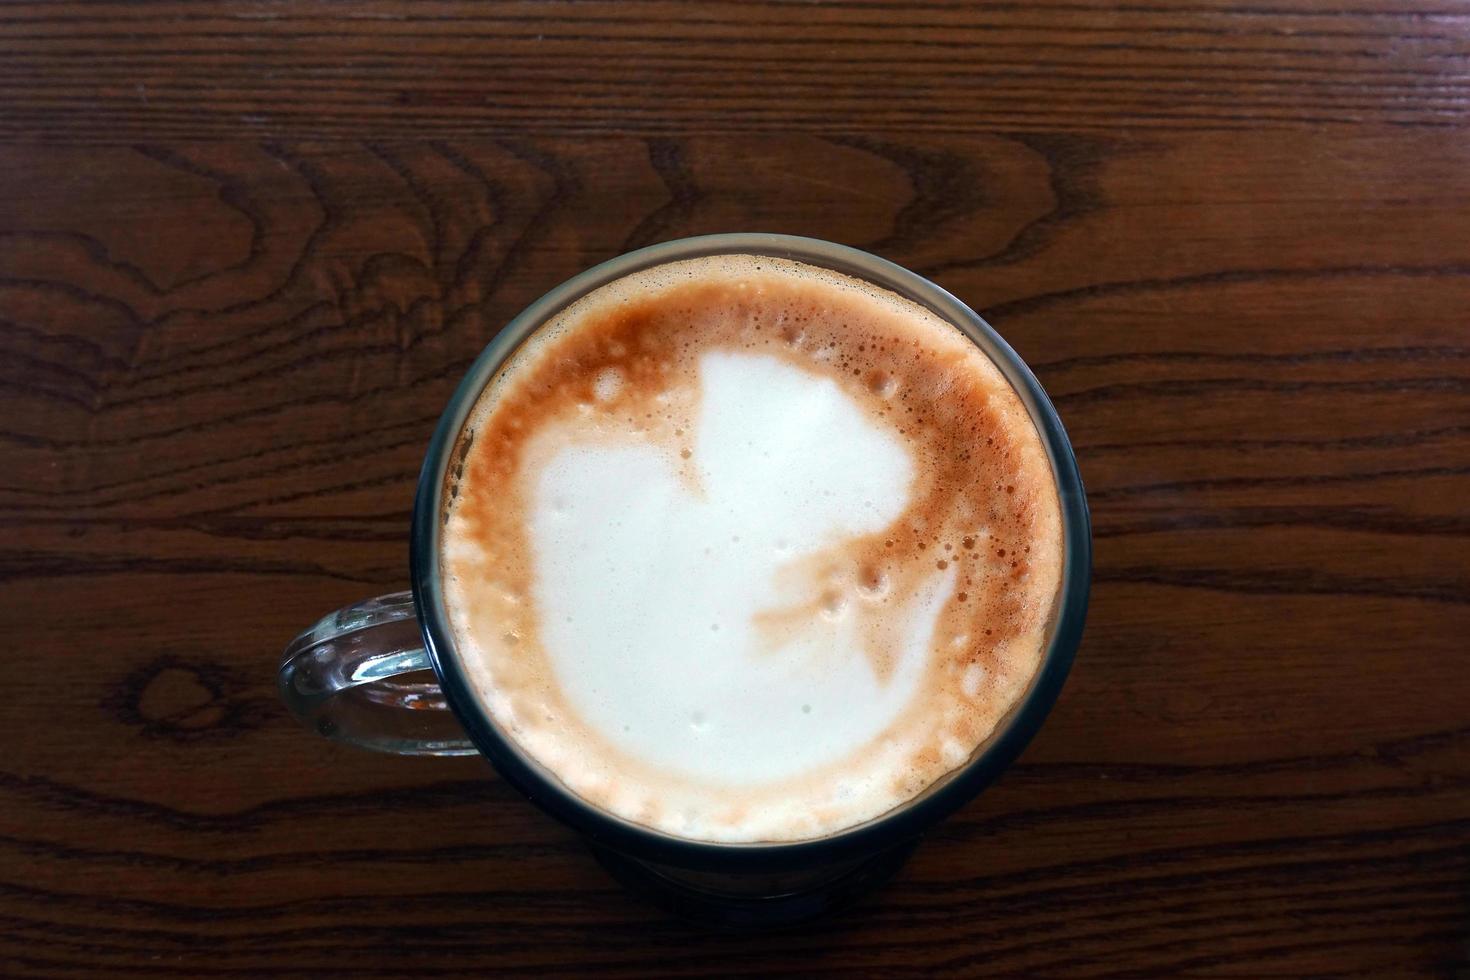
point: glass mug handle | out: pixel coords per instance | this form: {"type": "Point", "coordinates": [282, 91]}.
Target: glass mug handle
{"type": "Point", "coordinates": [361, 676]}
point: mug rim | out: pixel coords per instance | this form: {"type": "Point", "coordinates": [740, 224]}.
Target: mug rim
{"type": "Point", "coordinates": [951, 791]}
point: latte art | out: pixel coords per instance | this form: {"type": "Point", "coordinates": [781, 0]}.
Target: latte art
{"type": "Point", "coordinates": [745, 550]}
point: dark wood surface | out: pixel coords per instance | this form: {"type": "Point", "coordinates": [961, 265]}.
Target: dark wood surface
{"type": "Point", "coordinates": [246, 251]}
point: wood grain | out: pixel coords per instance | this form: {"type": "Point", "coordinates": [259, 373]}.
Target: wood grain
{"type": "Point", "coordinates": [312, 68]}
{"type": "Point", "coordinates": [233, 305]}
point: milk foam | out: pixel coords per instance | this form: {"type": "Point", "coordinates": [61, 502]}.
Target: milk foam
{"type": "Point", "coordinates": [737, 552]}
{"type": "Point", "coordinates": [650, 588]}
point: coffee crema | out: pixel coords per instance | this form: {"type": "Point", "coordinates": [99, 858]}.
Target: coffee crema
{"type": "Point", "coordinates": [741, 549]}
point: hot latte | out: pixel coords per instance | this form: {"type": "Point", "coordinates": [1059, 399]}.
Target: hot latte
{"type": "Point", "coordinates": [742, 549]}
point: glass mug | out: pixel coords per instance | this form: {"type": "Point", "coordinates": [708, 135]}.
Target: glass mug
{"type": "Point", "coordinates": [361, 674]}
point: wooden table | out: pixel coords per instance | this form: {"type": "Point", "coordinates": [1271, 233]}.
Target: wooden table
{"type": "Point", "coordinates": [247, 250]}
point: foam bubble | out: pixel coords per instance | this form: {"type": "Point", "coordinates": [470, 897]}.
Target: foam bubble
{"type": "Point", "coordinates": [607, 384]}
{"type": "Point", "coordinates": [972, 679]}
